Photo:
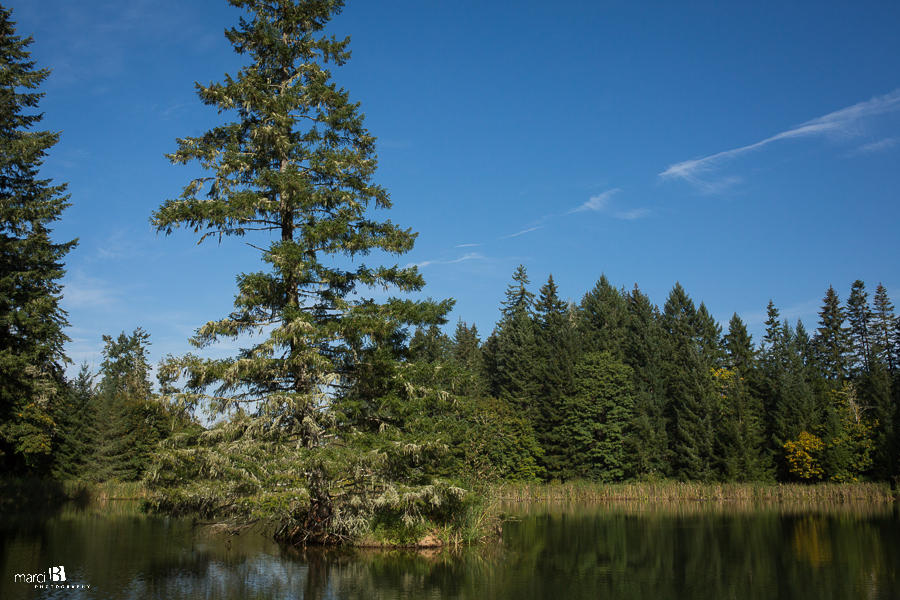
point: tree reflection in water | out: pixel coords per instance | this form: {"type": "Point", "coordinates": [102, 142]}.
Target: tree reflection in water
{"type": "Point", "coordinates": [549, 551]}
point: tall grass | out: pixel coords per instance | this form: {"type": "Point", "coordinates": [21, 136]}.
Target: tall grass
{"type": "Point", "coordinates": [31, 493]}
{"type": "Point", "coordinates": [580, 491]}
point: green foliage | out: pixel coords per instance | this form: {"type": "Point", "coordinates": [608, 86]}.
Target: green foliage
{"type": "Point", "coordinates": [740, 430]}
{"type": "Point", "coordinates": [598, 414]}
{"type": "Point", "coordinates": [848, 437]}
{"type": "Point", "coordinates": [859, 315]}
{"type": "Point", "coordinates": [785, 381]}
{"type": "Point", "coordinates": [556, 353]}
{"type": "Point", "coordinates": [646, 350]}
{"type": "Point", "coordinates": [325, 425]}
{"type": "Point", "coordinates": [689, 387]}
{"type": "Point", "coordinates": [603, 315]}
{"type": "Point", "coordinates": [497, 442]}
{"type": "Point", "coordinates": [832, 341]}
{"type": "Point", "coordinates": [128, 419]}
{"type": "Point", "coordinates": [76, 431]}
{"type": "Point", "coordinates": [514, 354]}
{"type": "Point", "coordinates": [467, 354]}
{"type": "Point", "coordinates": [884, 350]}
{"type": "Point", "coordinates": [31, 321]}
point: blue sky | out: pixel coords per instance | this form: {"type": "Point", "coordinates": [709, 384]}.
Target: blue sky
{"type": "Point", "coordinates": [750, 151]}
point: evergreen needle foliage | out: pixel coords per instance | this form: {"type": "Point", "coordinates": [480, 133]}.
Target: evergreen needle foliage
{"type": "Point", "coordinates": [315, 439]}
{"type": "Point", "coordinates": [31, 321]}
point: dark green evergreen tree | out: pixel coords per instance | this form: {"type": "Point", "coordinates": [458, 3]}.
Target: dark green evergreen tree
{"type": "Point", "coordinates": [832, 340]}
{"type": "Point", "coordinates": [129, 420]}
{"type": "Point", "coordinates": [738, 346]}
{"type": "Point", "coordinates": [514, 352]}
{"type": "Point", "coordinates": [859, 316]}
{"type": "Point", "coordinates": [883, 322]}
{"type": "Point", "coordinates": [295, 167]}
{"type": "Point", "coordinates": [646, 352]}
{"type": "Point", "coordinates": [784, 384]}
{"type": "Point", "coordinates": [556, 353]}
{"type": "Point", "coordinates": [597, 417]}
{"type": "Point", "coordinates": [689, 389]}
{"type": "Point", "coordinates": [709, 337]}
{"type": "Point", "coordinates": [874, 390]}
{"type": "Point", "coordinates": [429, 345]}
{"type": "Point", "coordinates": [740, 432]}
{"type": "Point", "coordinates": [603, 314]}
{"type": "Point", "coordinates": [76, 428]}
{"type": "Point", "coordinates": [31, 321]}
{"type": "Point", "coordinates": [467, 354]}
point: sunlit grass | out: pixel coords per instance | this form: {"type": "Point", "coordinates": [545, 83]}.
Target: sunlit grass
{"type": "Point", "coordinates": [581, 491]}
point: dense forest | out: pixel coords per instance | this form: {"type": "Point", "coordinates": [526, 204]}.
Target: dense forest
{"type": "Point", "coordinates": [616, 388]}
{"type": "Point", "coordinates": [351, 415]}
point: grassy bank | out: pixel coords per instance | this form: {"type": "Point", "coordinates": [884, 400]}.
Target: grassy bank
{"type": "Point", "coordinates": [586, 491]}
{"type": "Point", "coordinates": [26, 494]}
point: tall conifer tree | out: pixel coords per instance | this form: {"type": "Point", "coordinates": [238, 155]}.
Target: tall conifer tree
{"type": "Point", "coordinates": [832, 340]}
{"type": "Point", "coordinates": [883, 320]}
{"type": "Point", "coordinates": [740, 431]}
{"type": "Point", "coordinates": [513, 352]}
{"type": "Point", "coordinates": [603, 314]}
{"type": "Point", "coordinates": [297, 163]}
{"type": "Point", "coordinates": [31, 321]}
{"type": "Point", "coordinates": [295, 167]}
{"type": "Point", "coordinates": [554, 374]}
{"type": "Point", "coordinates": [690, 389]}
{"type": "Point", "coordinates": [599, 411]}
{"type": "Point", "coordinates": [859, 315]}
{"type": "Point", "coordinates": [646, 352]}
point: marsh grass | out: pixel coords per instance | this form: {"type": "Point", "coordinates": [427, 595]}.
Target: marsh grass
{"type": "Point", "coordinates": [468, 522]}
{"type": "Point", "coordinates": [32, 493]}
{"type": "Point", "coordinates": [586, 491]}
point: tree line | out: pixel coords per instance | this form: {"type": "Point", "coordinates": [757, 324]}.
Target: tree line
{"type": "Point", "coordinates": [616, 388]}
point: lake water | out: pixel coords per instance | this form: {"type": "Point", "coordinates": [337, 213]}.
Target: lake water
{"type": "Point", "coordinates": [693, 551]}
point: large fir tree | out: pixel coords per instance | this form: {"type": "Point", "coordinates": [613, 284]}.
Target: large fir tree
{"type": "Point", "coordinates": [832, 340]}
{"type": "Point", "coordinates": [556, 352]}
{"type": "Point", "coordinates": [646, 352]}
{"type": "Point", "coordinates": [740, 429]}
{"type": "Point", "coordinates": [859, 315]}
{"type": "Point", "coordinates": [883, 320]}
{"type": "Point", "coordinates": [689, 388]}
{"type": "Point", "coordinates": [297, 164]}
{"type": "Point", "coordinates": [31, 321]}
{"type": "Point", "coordinates": [602, 315]}
{"type": "Point", "coordinates": [599, 411]}
{"type": "Point", "coordinates": [512, 352]}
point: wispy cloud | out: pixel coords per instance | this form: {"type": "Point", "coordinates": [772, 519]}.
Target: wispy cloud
{"type": "Point", "coordinates": [879, 146]}
{"type": "Point", "coordinates": [603, 203]}
{"type": "Point", "coordinates": [81, 291]}
{"type": "Point", "coordinates": [119, 244]}
{"type": "Point", "coordinates": [425, 263]}
{"type": "Point", "coordinates": [596, 203]}
{"type": "Point", "coordinates": [521, 232]}
{"type": "Point", "coordinates": [466, 245]}
{"type": "Point", "coordinates": [844, 122]}
{"type": "Point", "coordinates": [631, 215]}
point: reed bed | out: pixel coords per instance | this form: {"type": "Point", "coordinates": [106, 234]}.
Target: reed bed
{"type": "Point", "coordinates": [25, 493]}
{"type": "Point", "coordinates": [587, 491]}
{"type": "Point", "coordinates": [119, 490]}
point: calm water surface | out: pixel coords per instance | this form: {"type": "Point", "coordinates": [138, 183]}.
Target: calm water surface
{"type": "Point", "coordinates": [694, 551]}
